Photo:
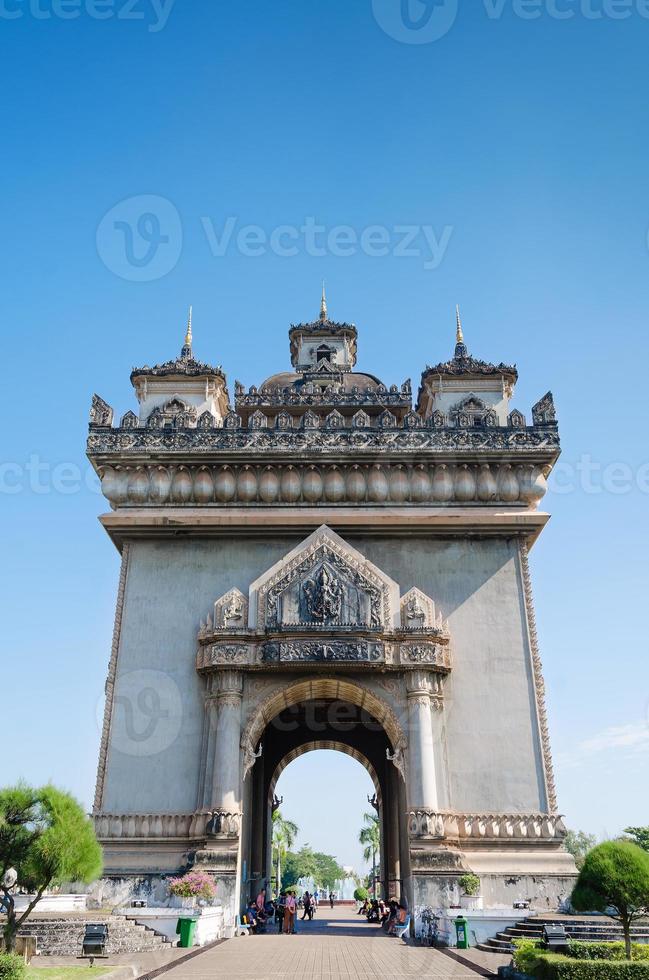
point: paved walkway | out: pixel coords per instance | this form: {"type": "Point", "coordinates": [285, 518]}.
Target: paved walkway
{"type": "Point", "coordinates": [337, 945]}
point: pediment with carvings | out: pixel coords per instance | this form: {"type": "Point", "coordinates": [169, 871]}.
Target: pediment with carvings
{"type": "Point", "coordinates": [324, 602]}
{"type": "Point", "coordinates": [324, 584]}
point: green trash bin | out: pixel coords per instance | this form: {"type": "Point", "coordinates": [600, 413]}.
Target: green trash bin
{"type": "Point", "coordinates": [461, 934]}
{"type": "Point", "coordinates": [186, 929]}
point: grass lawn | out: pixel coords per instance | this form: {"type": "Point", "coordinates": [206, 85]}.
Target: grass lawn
{"type": "Point", "coordinates": [67, 972]}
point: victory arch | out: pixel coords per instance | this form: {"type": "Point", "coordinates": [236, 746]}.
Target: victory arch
{"type": "Point", "coordinates": [319, 564]}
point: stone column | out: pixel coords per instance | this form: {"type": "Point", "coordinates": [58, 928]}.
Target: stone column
{"type": "Point", "coordinates": [422, 786]}
{"type": "Point", "coordinates": [226, 782]}
{"type": "Point", "coordinates": [393, 823]}
{"type": "Point", "coordinates": [210, 717]}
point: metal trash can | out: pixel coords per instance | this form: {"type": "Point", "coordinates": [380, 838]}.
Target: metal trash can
{"type": "Point", "coordinates": [95, 939]}
{"type": "Point", "coordinates": [186, 929]}
{"type": "Point", "coordinates": [461, 934]}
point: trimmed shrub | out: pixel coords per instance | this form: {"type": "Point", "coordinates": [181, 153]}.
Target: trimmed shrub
{"type": "Point", "coordinates": [580, 950]}
{"type": "Point", "coordinates": [360, 894]}
{"type": "Point", "coordinates": [470, 884]}
{"type": "Point", "coordinates": [552, 966]}
{"type": "Point", "coordinates": [526, 954]}
{"type": "Point", "coordinates": [12, 967]}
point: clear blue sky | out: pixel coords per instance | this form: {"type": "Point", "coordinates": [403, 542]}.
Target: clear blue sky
{"type": "Point", "coordinates": [518, 147]}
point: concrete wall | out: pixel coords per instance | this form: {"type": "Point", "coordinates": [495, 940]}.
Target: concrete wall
{"type": "Point", "coordinates": [491, 759]}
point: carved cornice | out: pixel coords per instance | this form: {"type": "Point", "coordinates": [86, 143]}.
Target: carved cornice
{"type": "Point", "coordinates": [474, 827]}
{"type": "Point", "coordinates": [386, 484]}
{"type": "Point", "coordinates": [305, 392]}
{"type": "Point", "coordinates": [468, 365]}
{"type": "Point", "coordinates": [104, 441]}
{"type": "Point", "coordinates": [258, 652]}
{"type": "Point", "coordinates": [539, 683]}
{"type": "Point", "coordinates": [110, 680]}
{"type": "Point", "coordinates": [183, 365]}
{"type": "Point", "coordinates": [323, 651]}
{"type": "Point", "coordinates": [166, 826]}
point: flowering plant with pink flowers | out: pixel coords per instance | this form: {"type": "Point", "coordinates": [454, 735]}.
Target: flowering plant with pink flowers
{"type": "Point", "coordinates": [195, 884]}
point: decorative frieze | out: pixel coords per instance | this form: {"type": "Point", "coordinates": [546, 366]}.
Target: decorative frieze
{"type": "Point", "coordinates": [434, 435]}
{"type": "Point", "coordinates": [451, 826]}
{"type": "Point", "coordinates": [149, 826]}
{"type": "Point", "coordinates": [252, 653]}
{"type": "Point", "coordinates": [225, 655]}
{"type": "Point", "coordinates": [386, 484]}
{"type": "Point", "coordinates": [323, 651]}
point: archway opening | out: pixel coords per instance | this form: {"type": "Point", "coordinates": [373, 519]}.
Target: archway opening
{"type": "Point", "coordinates": [325, 795]}
{"type": "Point", "coordinates": [309, 729]}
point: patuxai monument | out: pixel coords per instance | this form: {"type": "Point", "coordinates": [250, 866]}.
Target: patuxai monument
{"type": "Point", "coordinates": [324, 561]}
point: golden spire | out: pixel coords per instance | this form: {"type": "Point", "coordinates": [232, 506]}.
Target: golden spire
{"type": "Point", "coordinates": [323, 303]}
{"type": "Point", "coordinates": [459, 337]}
{"type": "Point", "coordinates": [188, 335]}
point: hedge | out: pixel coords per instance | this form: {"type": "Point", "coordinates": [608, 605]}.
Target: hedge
{"type": "Point", "coordinates": [12, 967]}
{"type": "Point", "coordinates": [585, 961]}
{"type": "Point", "coordinates": [552, 966]}
{"type": "Point", "coordinates": [578, 949]}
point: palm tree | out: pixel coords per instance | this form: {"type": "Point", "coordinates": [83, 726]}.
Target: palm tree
{"type": "Point", "coordinates": [370, 837]}
{"type": "Point", "coordinates": [284, 836]}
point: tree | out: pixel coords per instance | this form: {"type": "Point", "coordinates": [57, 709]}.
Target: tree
{"type": "Point", "coordinates": [307, 863]}
{"type": "Point", "coordinates": [48, 839]}
{"type": "Point", "coordinates": [370, 836]}
{"type": "Point", "coordinates": [328, 871]}
{"type": "Point", "coordinates": [615, 879]}
{"type": "Point", "coordinates": [640, 836]}
{"type": "Point", "coordinates": [284, 836]}
{"type": "Point", "coordinates": [579, 843]}
{"type": "Point", "coordinates": [299, 865]}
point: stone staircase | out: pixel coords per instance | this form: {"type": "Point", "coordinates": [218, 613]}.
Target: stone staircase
{"type": "Point", "coordinates": [590, 930]}
{"type": "Point", "coordinates": [63, 936]}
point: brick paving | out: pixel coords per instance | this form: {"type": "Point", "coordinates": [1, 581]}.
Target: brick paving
{"type": "Point", "coordinates": [335, 946]}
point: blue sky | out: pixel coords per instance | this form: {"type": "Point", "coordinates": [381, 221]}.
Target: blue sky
{"type": "Point", "coordinates": [508, 153]}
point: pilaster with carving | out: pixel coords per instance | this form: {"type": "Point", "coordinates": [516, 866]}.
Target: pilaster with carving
{"type": "Point", "coordinates": [539, 683]}
{"type": "Point", "coordinates": [110, 681]}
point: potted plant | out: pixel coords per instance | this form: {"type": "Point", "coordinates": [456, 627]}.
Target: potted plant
{"type": "Point", "coordinates": [190, 888]}
{"type": "Point", "coordinates": [470, 887]}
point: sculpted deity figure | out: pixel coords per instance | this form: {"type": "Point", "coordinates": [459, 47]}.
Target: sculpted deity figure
{"type": "Point", "coordinates": [233, 612]}
{"type": "Point", "coordinates": [415, 610]}
{"type": "Point", "coordinates": [324, 596]}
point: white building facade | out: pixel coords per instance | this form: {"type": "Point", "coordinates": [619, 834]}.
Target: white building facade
{"type": "Point", "coordinates": [323, 565]}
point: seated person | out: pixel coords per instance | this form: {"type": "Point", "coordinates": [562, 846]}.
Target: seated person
{"type": "Point", "coordinates": [400, 917]}
{"type": "Point", "coordinates": [251, 916]}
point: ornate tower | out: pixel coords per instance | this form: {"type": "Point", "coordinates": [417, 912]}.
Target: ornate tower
{"type": "Point", "coordinates": [323, 566]}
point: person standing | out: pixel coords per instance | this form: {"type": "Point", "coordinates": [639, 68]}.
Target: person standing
{"type": "Point", "coordinates": [308, 907]}
{"type": "Point", "coordinates": [289, 914]}
{"type": "Point", "coordinates": [331, 899]}
{"type": "Point", "coordinates": [280, 911]}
